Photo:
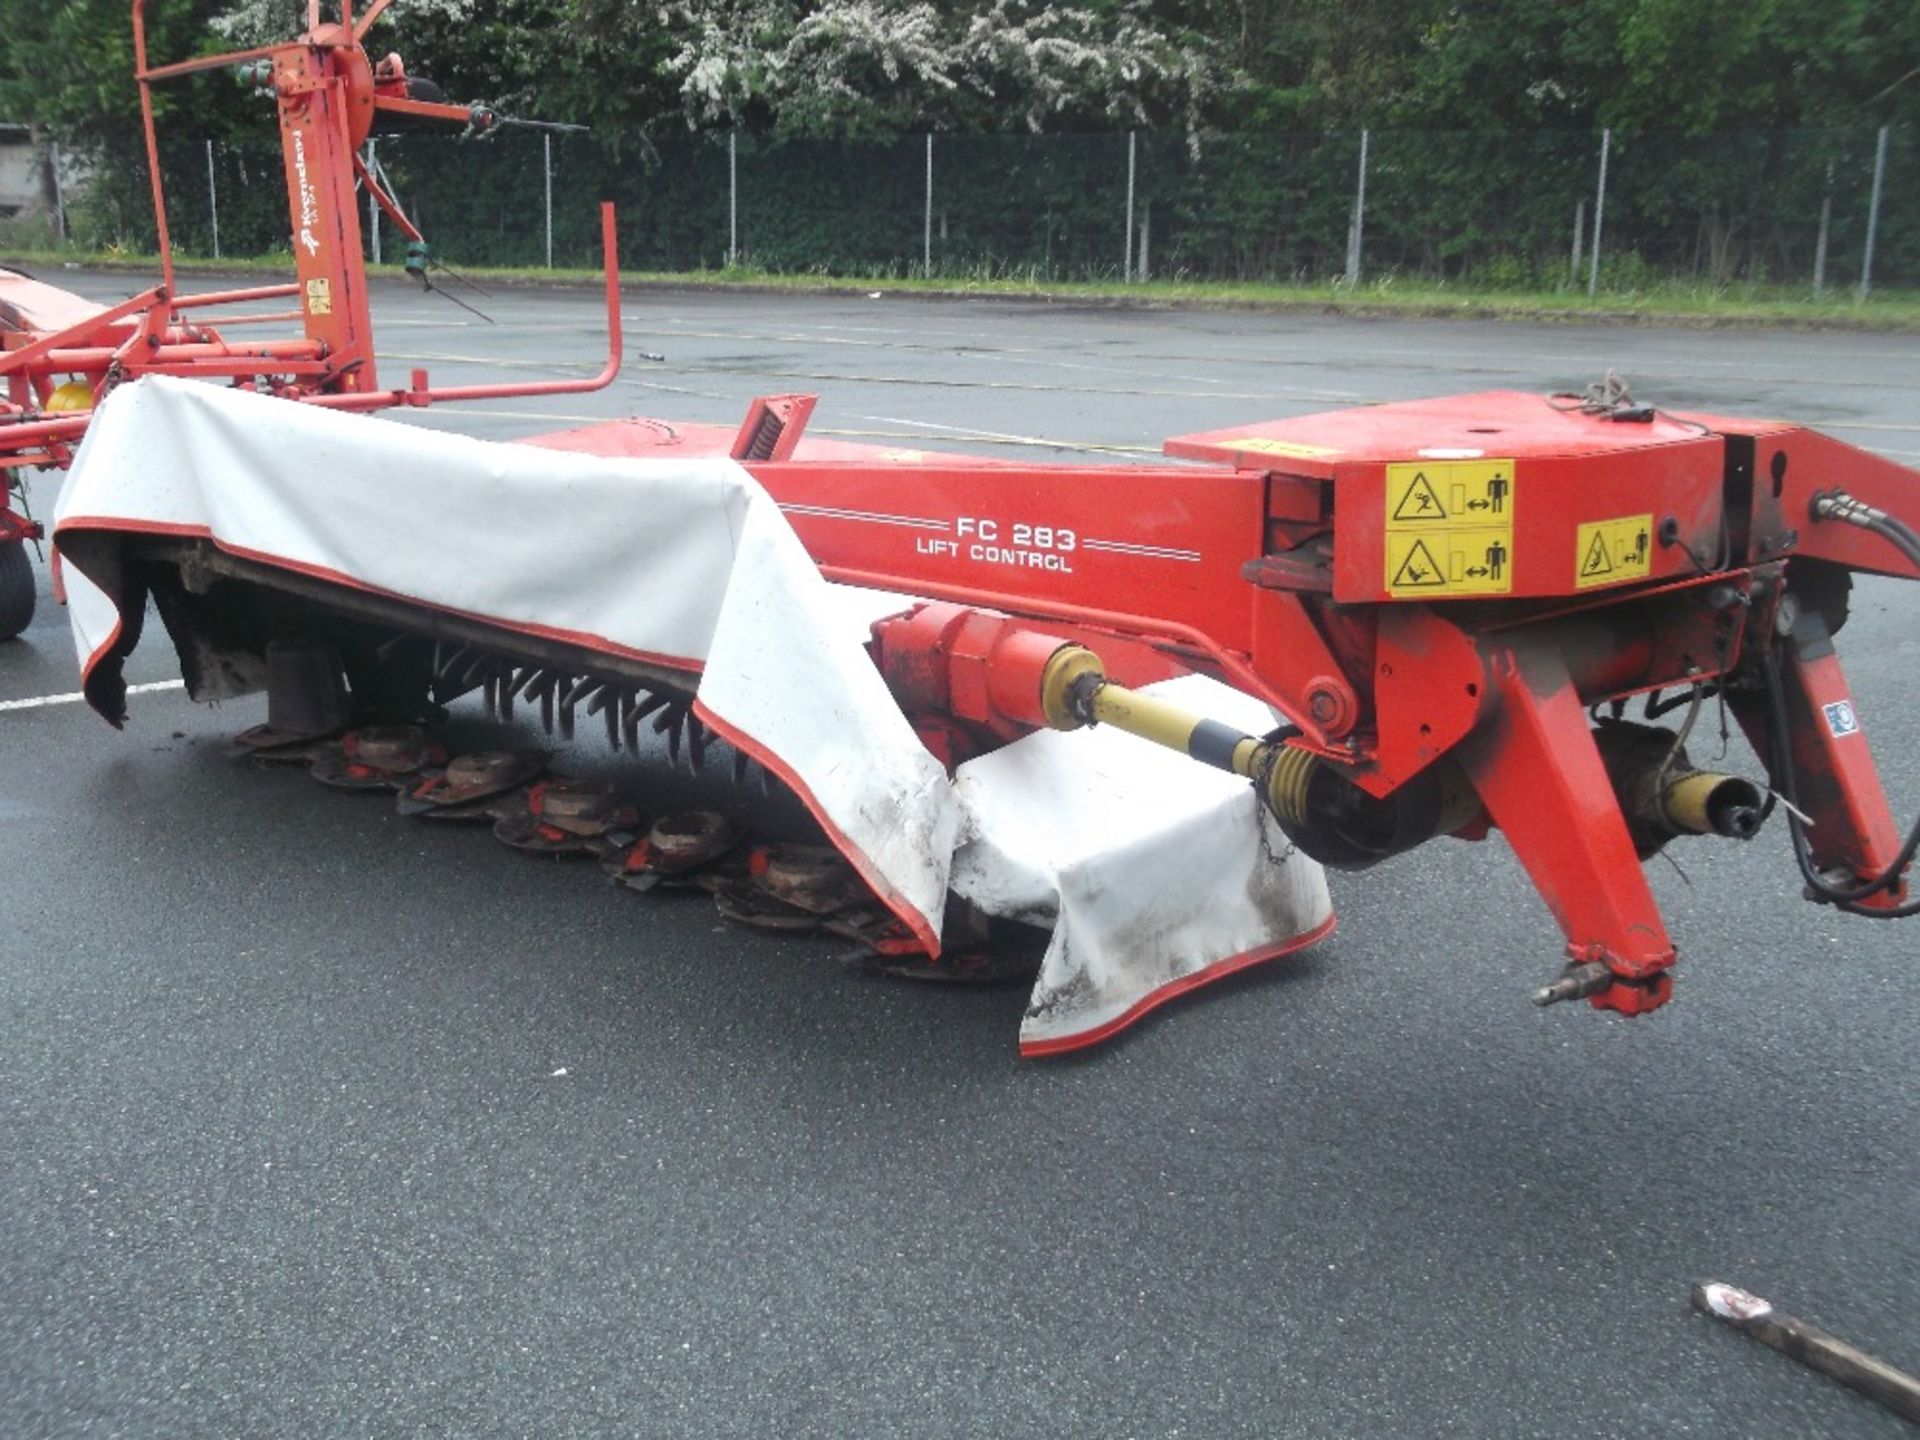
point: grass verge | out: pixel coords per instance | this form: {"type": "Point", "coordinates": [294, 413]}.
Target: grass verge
{"type": "Point", "coordinates": [1672, 302]}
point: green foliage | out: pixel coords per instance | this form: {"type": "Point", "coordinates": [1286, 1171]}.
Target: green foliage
{"type": "Point", "coordinates": [1732, 125]}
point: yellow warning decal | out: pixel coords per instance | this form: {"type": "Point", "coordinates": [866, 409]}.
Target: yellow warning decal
{"type": "Point", "coordinates": [1450, 562]}
{"type": "Point", "coordinates": [1280, 447]}
{"type": "Point", "coordinates": [1449, 528]}
{"type": "Point", "coordinates": [1606, 552]}
{"type": "Point", "coordinates": [320, 296]}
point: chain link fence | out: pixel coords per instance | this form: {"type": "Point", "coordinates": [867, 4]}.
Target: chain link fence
{"type": "Point", "coordinates": [1796, 210]}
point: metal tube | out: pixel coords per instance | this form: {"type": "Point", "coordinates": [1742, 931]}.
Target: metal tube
{"type": "Point", "coordinates": [59, 193]}
{"type": "Point", "coordinates": [369, 173]}
{"type": "Point", "coordinates": [926, 235]}
{"type": "Point", "coordinates": [546, 160]}
{"type": "Point", "coordinates": [1599, 212]}
{"type": "Point", "coordinates": [1812, 1347]}
{"type": "Point", "coordinates": [12, 360]}
{"type": "Point", "coordinates": [1820, 247]}
{"type": "Point", "coordinates": [1132, 141]}
{"type": "Point", "coordinates": [420, 395]}
{"type": "Point", "coordinates": [213, 202]}
{"type": "Point", "coordinates": [1705, 803]}
{"type": "Point", "coordinates": [1873, 212]}
{"type": "Point", "coordinates": [145, 77]}
{"type": "Point", "coordinates": [1579, 235]}
{"type": "Point", "coordinates": [1174, 727]}
{"type": "Point", "coordinates": [1356, 231]}
{"type": "Point", "coordinates": [93, 357]}
{"type": "Point", "coordinates": [733, 198]}
{"type": "Point", "coordinates": [235, 297]}
{"type": "Point", "coordinates": [217, 322]}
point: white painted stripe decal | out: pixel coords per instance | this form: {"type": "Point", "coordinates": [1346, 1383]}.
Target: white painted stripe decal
{"type": "Point", "coordinates": [823, 512]}
{"type": "Point", "coordinates": [39, 702]}
{"type": "Point", "coordinates": [1150, 552]}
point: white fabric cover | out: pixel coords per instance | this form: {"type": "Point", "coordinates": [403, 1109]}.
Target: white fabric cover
{"type": "Point", "coordinates": [1149, 866]}
{"type": "Point", "coordinates": [1153, 868]}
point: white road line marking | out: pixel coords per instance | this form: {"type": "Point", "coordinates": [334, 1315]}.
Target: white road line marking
{"type": "Point", "coordinates": [967, 432]}
{"type": "Point", "coordinates": [39, 702]}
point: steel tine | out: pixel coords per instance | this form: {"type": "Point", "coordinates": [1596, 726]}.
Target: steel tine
{"type": "Point", "coordinates": [533, 679]}
{"type": "Point", "coordinates": [674, 732]}
{"type": "Point", "coordinates": [546, 701]}
{"type": "Point", "coordinates": [433, 667]}
{"type": "Point", "coordinates": [503, 691]}
{"type": "Point", "coordinates": [580, 690]}
{"type": "Point", "coordinates": [612, 713]}
{"type": "Point", "coordinates": [669, 716]}
{"type": "Point", "coordinates": [601, 696]}
{"type": "Point", "coordinates": [452, 660]}
{"type": "Point", "coordinates": [696, 744]}
{"type": "Point", "coordinates": [481, 667]}
{"type": "Point", "coordinates": [652, 703]}
{"type": "Point", "coordinates": [740, 759]}
{"type": "Point", "coordinates": [630, 721]}
{"type": "Point", "coordinates": [387, 647]}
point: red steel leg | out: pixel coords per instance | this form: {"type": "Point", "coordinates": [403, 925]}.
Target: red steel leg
{"type": "Point", "coordinates": [1853, 830]}
{"type": "Point", "coordinates": [1536, 767]}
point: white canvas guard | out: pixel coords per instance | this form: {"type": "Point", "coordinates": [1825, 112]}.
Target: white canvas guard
{"type": "Point", "coordinates": [1156, 873]}
{"type": "Point", "coordinates": [688, 562]}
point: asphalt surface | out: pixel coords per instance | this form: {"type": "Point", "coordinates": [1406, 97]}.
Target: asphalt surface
{"type": "Point", "coordinates": [315, 1121]}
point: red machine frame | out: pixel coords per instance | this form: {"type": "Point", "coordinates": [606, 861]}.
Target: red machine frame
{"type": "Point", "coordinates": [1439, 597]}
{"type": "Point", "coordinates": [328, 95]}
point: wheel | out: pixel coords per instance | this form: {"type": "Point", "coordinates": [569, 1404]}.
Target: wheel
{"type": "Point", "coordinates": [16, 589]}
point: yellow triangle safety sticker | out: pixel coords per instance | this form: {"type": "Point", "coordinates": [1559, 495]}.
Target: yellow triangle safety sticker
{"type": "Point", "coordinates": [1420, 502]}
{"type": "Point", "coordinates": [1419, 568]}
{"type": "Point", "coordinates": [1597, 561]}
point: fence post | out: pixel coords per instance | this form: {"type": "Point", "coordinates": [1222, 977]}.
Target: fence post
{"type": "Point", "coordinates": [1356, 230]}
{"type": "Point", "coordinates": [926, 229]}
{"type": "Point", "coordinates": [59, 195]}
{"type": "Point", "coordinates": [1599, 212]}
{"type": "Point", "coordinates": [1873, 212]}
{"type": "Point", "coordinates": [213, 202]}
{"type": "Point", "coordinates": [1820, 246]}
{"type": "Point", "coordinates": [1146, 241]}
{"type": "Point", "coordinates": [1579, 234]}
{"type": "Point", "coordinates": [546, 161]}
{"type": "Point", "coordinates": [373, 206]}
{"type": "Point", "coordinates": [1127, 273]}
{"type": "Point", "coordinates": [733, 198]}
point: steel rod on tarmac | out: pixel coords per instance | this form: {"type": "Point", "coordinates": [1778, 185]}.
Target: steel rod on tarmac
{"type": "Point", "coordinates": [1811, 1346]}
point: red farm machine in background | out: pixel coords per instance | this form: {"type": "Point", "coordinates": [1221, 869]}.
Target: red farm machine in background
{"type": "Point", "coordinates": [1450, 603]}
{"type": "Point", "coordinates": [60, 355]}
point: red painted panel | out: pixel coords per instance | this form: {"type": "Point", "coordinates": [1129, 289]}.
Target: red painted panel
{"type": "Point", "coordinates": [1162, 543]}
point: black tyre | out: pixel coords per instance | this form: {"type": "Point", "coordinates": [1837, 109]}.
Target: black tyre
{"type": "Point", "coordinates": [16, 589]}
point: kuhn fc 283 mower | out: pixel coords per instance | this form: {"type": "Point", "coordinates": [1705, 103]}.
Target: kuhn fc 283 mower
{"type": "Point", "coordinates": [1134, 705]}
